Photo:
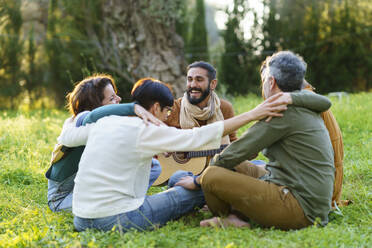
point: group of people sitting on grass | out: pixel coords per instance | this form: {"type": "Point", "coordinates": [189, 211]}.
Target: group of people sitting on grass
{"type": "Point", "coordinates": [105, 159]}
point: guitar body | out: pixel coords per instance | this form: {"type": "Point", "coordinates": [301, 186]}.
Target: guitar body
{"type": "Point", "coordinates": [175, 162]}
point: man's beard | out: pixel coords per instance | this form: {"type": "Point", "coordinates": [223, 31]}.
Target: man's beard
{"type": "Point", "coordinates": [204, 95]}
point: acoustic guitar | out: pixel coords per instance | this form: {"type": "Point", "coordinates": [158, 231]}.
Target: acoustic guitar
{"type": "Point", "coordinates": [188, 161]}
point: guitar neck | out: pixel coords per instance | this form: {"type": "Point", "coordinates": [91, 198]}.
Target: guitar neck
{"type": "Point", "coordinates": [205, 153]}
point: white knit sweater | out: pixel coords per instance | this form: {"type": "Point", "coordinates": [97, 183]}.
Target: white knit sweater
{"type": "Point", "coordinates": [114, 169]}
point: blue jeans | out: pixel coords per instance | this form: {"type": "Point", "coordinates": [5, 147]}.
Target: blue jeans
{"type": "Point", "coordinates": [155, 211]}
{"type": "Point", "coordinates": [60, 193]}
{"type": "Point", "coordinates": [258, 162]}
{"type": "Point", "coordinates": [155, 171]}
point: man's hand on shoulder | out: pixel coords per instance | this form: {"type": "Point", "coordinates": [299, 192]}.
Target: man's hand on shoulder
{"type": "Point", "coordinates": [286, 97]}
{"type": "Point", "coordinates": [147, 116]}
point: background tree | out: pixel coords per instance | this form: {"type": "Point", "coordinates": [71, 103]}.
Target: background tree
{"type": "Point", "coordinates": [233, 70]}
{"type": "Point", "coordinates": [242, 57]}
{"type": "Point", "coordinates": [139, 40]}
{"type": "Point", "coordinates": [32, 70]}
{"type": "Point", "coordinates": [198, 44]}
{"type": "Point", "coordinates": [183, 22]}
{"type": "Point", "coordinates": [70, 47]}
{"type": "Point", "coordinates": [57, 77]}
{"type": "Point", "coordinates": [46, 46]}
{"type": "Point", "coordinates": [332, 36]}
{"type": "Point", "coordinates": [11, 51]}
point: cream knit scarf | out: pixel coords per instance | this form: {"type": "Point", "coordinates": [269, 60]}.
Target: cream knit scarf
{"type": "Point", "coordinates": [211, 113]}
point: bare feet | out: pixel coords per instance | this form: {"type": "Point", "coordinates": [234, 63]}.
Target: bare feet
{"type": "Point", "coordinates": [231, 220]}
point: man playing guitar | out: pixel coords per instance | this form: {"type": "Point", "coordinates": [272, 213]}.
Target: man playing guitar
{"type": "Point", "coordinates": [199, 106]}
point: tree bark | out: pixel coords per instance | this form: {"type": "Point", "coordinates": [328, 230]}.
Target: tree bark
{"type": "Point", "coordinates": [139, 41]}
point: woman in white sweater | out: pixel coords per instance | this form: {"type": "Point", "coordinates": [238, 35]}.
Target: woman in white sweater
{"type": "Point", "coordinates": [88, 95]}
{"type": "Point", "coordinates": [112, 181]}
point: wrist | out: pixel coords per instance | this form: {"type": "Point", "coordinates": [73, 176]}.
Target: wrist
{"type": "Point", "coordinates": [196, 183]}
{"type": "Point", "coordinates": [295, 100]}
{"type": "Point", "coordinates": [288, 97]}
{"type": "Point", "coordinates": [137, 109]}
{"type": "Point", "coordinates": [249, 116]}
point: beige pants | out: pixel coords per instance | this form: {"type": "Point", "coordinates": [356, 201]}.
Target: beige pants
{"type": "Point", "coordinates": [266, 203]}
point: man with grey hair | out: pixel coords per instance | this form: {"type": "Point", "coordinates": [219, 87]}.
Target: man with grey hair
{"type": "Point", "coordinates": [295, 190]}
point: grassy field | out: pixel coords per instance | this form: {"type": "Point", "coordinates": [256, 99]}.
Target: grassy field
{"type": "Point", "coordinates": [26, 141]}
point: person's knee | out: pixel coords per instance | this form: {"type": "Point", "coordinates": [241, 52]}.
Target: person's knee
{"type": "Point", "coordinates": [188, 199]}
{"type": "Point", "coordinates": [212, 175]}
{"type": "Point", "coordinates": [177, 176]}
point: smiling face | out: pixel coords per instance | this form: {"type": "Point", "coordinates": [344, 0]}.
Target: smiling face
{"type": "Point", "coordinates": [198, 86]}
{"type": "Point", "coordinates": [110, 96]}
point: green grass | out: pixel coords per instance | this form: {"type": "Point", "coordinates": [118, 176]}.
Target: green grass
{"type": "Point", "coordinates": [26, 141]}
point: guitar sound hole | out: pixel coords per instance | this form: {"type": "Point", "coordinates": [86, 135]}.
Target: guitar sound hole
{"type": "Point", "coordinates": [180, 157]}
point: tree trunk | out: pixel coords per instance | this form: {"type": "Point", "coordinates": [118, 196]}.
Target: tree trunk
{"type": "Point", "coordinates": [139, 41]}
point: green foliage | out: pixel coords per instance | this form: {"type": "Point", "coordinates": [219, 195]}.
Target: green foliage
{"type": "Point", "coordinates": [183, 22]}
{"type": "Point", "coordinates": [26, 142]}
{"type": "Point", "coordinates": [62, 43]}
{"type": "Point", "coordinates": [197, 47]}
{"type": "Point", "coordinates": [33, 73]}
{"type": "Point", "coordinates": [70, 51]}
{"type": "Point", "coordinates": [58, 44]}
{"type": "Point", "coordinates": [164, 11]}
{"type": "Point", "coordinates": [11, 47]}
{"type": "Point", "coordinates": [236, 66]}
{"type": "Point", "coordinates": [333, 37]}
{"type": "Point", "coordinates": [35, 65]}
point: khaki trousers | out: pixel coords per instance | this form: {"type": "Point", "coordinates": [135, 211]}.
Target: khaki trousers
{"type": "Point", "coordinates": [265, 203]}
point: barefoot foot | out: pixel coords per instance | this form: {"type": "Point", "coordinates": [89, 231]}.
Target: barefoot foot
{"type": "Point", "coordinates": [231, 220]}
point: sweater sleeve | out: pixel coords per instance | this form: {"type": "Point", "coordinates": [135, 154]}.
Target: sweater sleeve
{"type": "Point", "coordinates": [72, 136]}
{"type": "Point", "coordinates": [257, 137]}
{"type": "Point", "coordinates": [310, 100]}
{"type": "Point", "coordinates": [157, 139]}
{"type": "Point", "coordinates": [124, 109]}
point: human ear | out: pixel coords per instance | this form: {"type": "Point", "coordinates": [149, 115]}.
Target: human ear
{"type": "Point", "coordinates": [272, 83]}
{"type": "Point", "coordinates": [154, 108]}
{"type": "Point", "coordinates": [213, 84]}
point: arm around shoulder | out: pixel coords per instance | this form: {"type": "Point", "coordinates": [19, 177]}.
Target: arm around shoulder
{"type": "Point", "coordinates": [72, 136]}
{"type": "Point", "coordinates": [123, 109]}
{"type": "Point", "coordinates": [155, 139]}
{"type": "Point", "coordinates": [310, 100]}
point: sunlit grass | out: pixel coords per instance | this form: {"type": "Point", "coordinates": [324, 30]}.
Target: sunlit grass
{"type": "Point", "coordinates": [26, 141]}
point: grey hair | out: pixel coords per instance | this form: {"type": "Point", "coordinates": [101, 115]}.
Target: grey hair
{"type": "Point", "coordinates": [288, 69]}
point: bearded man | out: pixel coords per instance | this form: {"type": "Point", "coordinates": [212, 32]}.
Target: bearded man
{"type": "Point", "coordinates": [200, 105]}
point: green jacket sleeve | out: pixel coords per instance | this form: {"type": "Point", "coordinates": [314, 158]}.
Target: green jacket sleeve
{"type": "Point", "coordinates": [124, 109]}
{"type": "Point", "coordinates": [310, 100]}
{"type": "Point", "coordinates": [261, 135]}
